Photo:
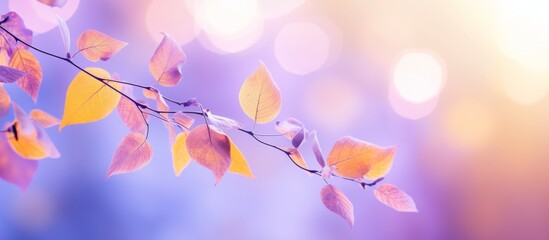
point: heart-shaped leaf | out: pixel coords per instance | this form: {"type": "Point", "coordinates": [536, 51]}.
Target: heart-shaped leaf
{"type": "Point", "coordinates": [132, 154]}
{"type": "Point", "coordinates": [260, 97]}
{"type": "Point", "coordinates": [211, 149]}
{"type": "Point", "coordinates": [89, 100]}
{"type": "Point", "coordinates": [165, 64]}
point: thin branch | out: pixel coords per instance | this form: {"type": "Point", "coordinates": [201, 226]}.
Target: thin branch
{"type": "Point", "coordinates": [142, 107]}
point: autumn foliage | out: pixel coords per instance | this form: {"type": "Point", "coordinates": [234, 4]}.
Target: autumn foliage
{"type": "Point", "coordinates": [95, 93]}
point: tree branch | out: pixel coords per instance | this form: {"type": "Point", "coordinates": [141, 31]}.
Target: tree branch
{"type": "Point", "coordinates": [143, 107]}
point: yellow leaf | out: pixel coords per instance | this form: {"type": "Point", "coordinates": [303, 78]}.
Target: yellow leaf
{"type": "Point", "coordinates": [260, 97]}
{"type": "Point", "coordinates": [180, 154]}
{"type": "Point", "coordinates": [239, 164]}
{"type": "Point", "coordinates": [353, 158]}
{"type": "Point", "coordinates": [26, 145]}
{"type": "Point", "coordinates": [89, 100]}
{"type": "Point", "coordinates": [24, 61]}
{"type": "Point", "coordinates": [35, 146]}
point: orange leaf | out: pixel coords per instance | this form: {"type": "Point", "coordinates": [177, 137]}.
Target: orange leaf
{"type": "Point", "coordinates": [43, 118]}
{"type": "Point", "coordinates": [395, 198]}
{"type": "Point", "coordinates": [14, 168]}
{"type": "Point", "coordinates": [4, 101]}
{"type": "Point", "coordinates": [296, 156]}
{"type": "Point", "coordinates": [23, 60]}
{"type": "Point", "coordinates": [165, 64]}
{"type": "Point", "coordinates": [132, 154]}
{"type": "Point", "coordinates": [353, 158]}
{"type": "Point", "coordinates": [98, 46]}
{"type": "Point", "coordinates": [28, 139]}
{"type": "Point", "coordinates": [338, 203]}
{"type": "Point", "coordinates": [4, 57]}
{"type": "Point", "coordinates": [260, 97]}
{"type": "Point", "coordinates": [180, 154]}
{"type": "Point", "coordinates": [239, 164]}
{"type": "Point", "coordinates": [211, 149]}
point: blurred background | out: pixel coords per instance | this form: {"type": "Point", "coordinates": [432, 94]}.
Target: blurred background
{"type": "Point", "coordinates": [459, 86]}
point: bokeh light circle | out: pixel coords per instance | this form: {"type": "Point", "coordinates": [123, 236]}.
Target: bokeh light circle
{"type": "Point", "coordinates": [38, 17]}
{"type": "Point", "coordinates": [522, 31]}
{"type": "Point", "coordinates": [275, 9]}
{"type": "Point", "coordinates": [228, 26]}
{"type": "Point", "coordinates": [418, 76]}
{"type": "Point", "coordinates": [302, 48]}
{"type": "Point", "coordinates": [180, 23]}
{"type": "Point", "coordinates": [408, 109]}
{"type": "Point", "coordinates": [526, 87]}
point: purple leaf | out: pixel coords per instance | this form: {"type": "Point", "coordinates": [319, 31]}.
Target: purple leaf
{"type": "Point", "coordinates": [17, 27]}
{"type": "Point", "coordinates": [165, 64]}
{"type": "Point", "coordinates": [9, 75]}
{"type": "Point", "coordinates": [297, 140]}
{"type": "Point", "coordinates": [317, 150]}
{"type": "Point", "coordinates": [53, 3]}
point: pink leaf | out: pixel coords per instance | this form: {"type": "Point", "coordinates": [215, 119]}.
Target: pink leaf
{"type": "Point", "coordinates": [25, 61]}
{"type": "Point", "coordinates": [183, 119]}
{"type": "Point", "coordinates": [14, 168]}
{"type": "Point", "coordinates": [5, 101]}
{"type": "Point", "coordinates": [132, 154]}
{"type": "Point", "coordinates": [65, 33]}
{"type": "Point", "coordinates": [165, 64]}
{"type": "Point", "coordinates": [130, 114]}
{"type": "Point", "coordinates": [395, 198]}
{"type": "Point", "coordinates": [317, 150]}
{"type": "Point", "coordinates": [16, 26]}
{"type": "Point", "coordinates": [338, 203]}
{"type": "Point", "coordinates": [54, 3]}
{"type": "Point", "coordinates": [211, 149]}
{"type": "Point", "coordinates": [9, 75]}
{"type": "Point", "coordinates": [161, 105]}
{"type": "Point", "coordinates": [43, 118]}
{"type": "Point", "coordinates": [98, 46]}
